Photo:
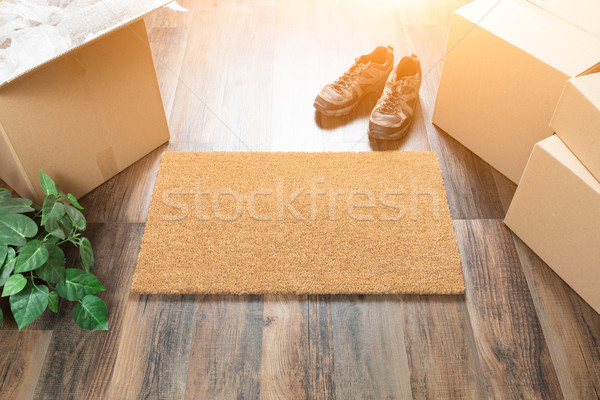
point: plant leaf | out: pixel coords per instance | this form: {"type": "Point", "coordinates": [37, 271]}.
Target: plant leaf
{"type": "Point", "coordinates": [18, 200]}
{"type": "Point", "coordinates": [14, 285]}
{"type": "Point", "coordinates": [66, 225]}
{"type": "Point", "coordinates": [54, 229]}
{"type": "Point", "coordinates": [74, 201]}
{"type": "Point", "coordinates": [33, 255]}
{"type": "Point", "coordinates": [51, 240]}
{"type": "Point", "coordinates": [15, 206]}
{"type": "Point", "coordinates": [86, 254]}
{"type": "Point", "coordinates": [91, 314]}
{"type": "Point", "coordinates": [3, 253]}
{"type": "Point", "coordinates": [4, 193]}
{"type": "Point", "coordinates": [53, 301]}
{"type": "Point", "coordinates": [52, 209]}
{"type": "Point", "coordinates": [29, 303]}
{"type": "Point", "coordinates": [47, 184]}
{"type": "Point", "coordinates": [78, 284]}
{"type": "Point", "coordinates": [16, 228]}
{"type": "Point", "coordinates": [76, 216]}
{"type": "Point", "coordinates": [53, 270]}
{"type": "Point", "coordinates": [8, 267]}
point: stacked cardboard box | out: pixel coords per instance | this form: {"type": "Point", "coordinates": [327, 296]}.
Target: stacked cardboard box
{"type": "Point", "coordinates": [515, 72]}
{"type": "Point", "coordinates": [556, 212]}
{"type": "Point", "coordinates": [505, 67]}
{"type": "Point", "coordinates": [86, 114]}
{"type": "Point", "coordinates": [576, 120]}
{"type": "Point", "coordinates": [556, 209]}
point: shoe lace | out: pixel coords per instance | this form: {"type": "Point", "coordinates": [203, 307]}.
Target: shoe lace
{"type": "Point", "coordinates": [346, 80]}
{"type": "Point", "coordinates": [393, 97]}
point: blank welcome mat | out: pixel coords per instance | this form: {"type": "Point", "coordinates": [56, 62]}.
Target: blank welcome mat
{"type": "Point", "coordinates": [225, 222]}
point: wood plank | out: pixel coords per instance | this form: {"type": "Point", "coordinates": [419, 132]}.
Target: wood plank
{"type": "Point", "coordinates": [168, 32]}
{"type": "Point", "coordinates": [294, 123]}
{"type": "Point", "coordinates": [320, 374]}
{"type": "Point", "coordinates": [571, 327]}
{"type": "Point", "coordinates": [22, 358]}
{"type": "Point", "coordinates": [225, 354]}
{"type": "Point", "coordinates": [506, 189]}
{"type": "Point", "coordinates": [442, 355]}
{"type": "Point", "coordinates": [168, 49]}
{"type": "Point", "coordinates": [284, 347]}
{"type": "Point", "coordinates": [470, 185]}
{"type": "Point", "coordinates": [227, 67]}
{"type": "Point", "coordinates": [154, 348]}
{"type": "Point", "coordinates": [80, 363]}
{"type": "Point", "coordinates": [511, 345]}
{"type": "Point", "coordinates": [297, 347]}
{"type": "Point", "coordinates": [369, 348]}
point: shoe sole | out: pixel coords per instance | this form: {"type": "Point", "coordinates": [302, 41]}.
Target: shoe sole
{"type": "Point", "coordinates": [393, 135]}
{"type": "Point", "coordinates": [347, 110]}
{"type": "Point", "coordinates": [333, 113]}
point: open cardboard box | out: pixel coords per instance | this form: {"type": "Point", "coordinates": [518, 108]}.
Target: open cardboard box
{"type": "Point", "coordinates": [556, 212]}
{"type": "Point", "coordinates": [84, 115]}
{"type": "Point", "coordinates": [576, 120]}
{"type": "Point", "coordinates": [505, 67]}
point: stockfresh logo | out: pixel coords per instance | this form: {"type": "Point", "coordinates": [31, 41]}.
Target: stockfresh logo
{"type": "Point", "coordinates": [281, 201]}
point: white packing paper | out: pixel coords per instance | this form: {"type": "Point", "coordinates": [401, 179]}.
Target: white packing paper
{"type": "Point", "coordinates": [33, 32]}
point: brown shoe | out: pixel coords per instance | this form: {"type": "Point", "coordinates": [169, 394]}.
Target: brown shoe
{"type": "Point", "coordinates": [366, 75]}
{"type": "Point", "coordinates": [392, 116]}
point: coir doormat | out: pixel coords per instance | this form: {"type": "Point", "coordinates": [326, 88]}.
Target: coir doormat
{"type": "Point", "coordinates": [224, 222]}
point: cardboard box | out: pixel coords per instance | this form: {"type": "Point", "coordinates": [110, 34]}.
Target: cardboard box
{"type": "Point", "coordinates": [83, 116]}
{"type": "Point", "coordinates": [505, 67]}
{"type": "Point", "coordinates": [556, 212]}
{"type": "Point", "coordinates": [576, 120]}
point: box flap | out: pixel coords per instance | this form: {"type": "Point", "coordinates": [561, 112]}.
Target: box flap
{"type": "Point", "coordinates": [576, 120]}
{"type": "Point", "coordinates": [589, 86]}
{"type": "Point", "coordinates": [557, 149]}
{"type": "Point", "coordinates": [547, 37]}
{"type": "Point", "coordinates": [83, 26]}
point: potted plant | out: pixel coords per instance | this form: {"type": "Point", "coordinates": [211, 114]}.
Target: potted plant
{"type": "Point", "coordinates": [33, 271]}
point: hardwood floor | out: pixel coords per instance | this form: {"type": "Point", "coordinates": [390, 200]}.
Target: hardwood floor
{"type": "Point", "coordinates": [241, 75]}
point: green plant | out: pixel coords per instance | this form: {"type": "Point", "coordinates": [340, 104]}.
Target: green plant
{"type": "Point", "coordinates": [33, 269]}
